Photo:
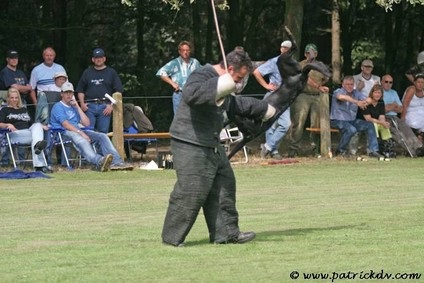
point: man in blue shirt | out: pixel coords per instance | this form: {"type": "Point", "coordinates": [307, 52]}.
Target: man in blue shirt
{"type": "Point", "coordinates": [278, 130]}
{"type": "Point", "coordinates": [344, 107]}
{"type": "Point", "coordinates": [176, 71]}
{"type": "Point", "coordinates": [95, 82]}
{"type": "Point", "coordinates": [68, 114]}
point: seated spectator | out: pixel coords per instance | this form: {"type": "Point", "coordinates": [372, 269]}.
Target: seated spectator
{"type": "Point", "coordinates": [401, 133]}
{"type": "Point", "coordinates": [344, 108]}
{"type": "Point", "coordinates": [375, 113]}
{"type": "Point", "coordinates": [68, 114]}
{"type": "Point", "coordinates": [16, 119]}
{"type": "Point", "coordinates": [413, 106]}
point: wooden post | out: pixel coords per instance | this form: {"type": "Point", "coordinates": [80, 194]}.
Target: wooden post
{"type": "Point", "coordinates": [118, 125]}
{"type": "Point", "coordinates": [324, 121]}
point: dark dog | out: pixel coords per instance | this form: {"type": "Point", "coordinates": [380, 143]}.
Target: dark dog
{"type": "Point", "coordinates": [294, 80]}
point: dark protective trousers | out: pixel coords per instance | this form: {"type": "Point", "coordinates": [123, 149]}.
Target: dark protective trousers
{"type": "Point", "coordinates": [205, 180]}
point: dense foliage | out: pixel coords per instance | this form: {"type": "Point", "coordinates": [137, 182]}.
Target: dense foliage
{"type": "Point", "coordinates": [140, 36]}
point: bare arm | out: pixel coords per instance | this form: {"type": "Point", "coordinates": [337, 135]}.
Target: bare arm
{"type": "Point", "coordinates": [81, 97]}
{"type": "Point", "coordinates": [409, 93]}
{"type": "Point", "coordinates": [262, 82]}
{"type": "Point", "coordinates": [33, 96]}
{"type": "Point", "coordinates": [169, 81]}
{"type": "Point", "coordinates": [24, 89]}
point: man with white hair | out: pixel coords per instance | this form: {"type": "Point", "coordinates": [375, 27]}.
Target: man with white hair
{"type": "Point", "coordinates": [278, 130]}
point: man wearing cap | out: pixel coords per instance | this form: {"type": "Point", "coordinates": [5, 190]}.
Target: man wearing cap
{"type": "Point", "coordinates": [95, 82]}
{"type": "Point", "coordinates": [419, 68]}
{"type": "Point", "coordinates": [42, 76]}
{"type": "Point", "coordinates": [68, 114]}
{"type": "Point", "coordinates": [176, 72]}
{"type": "Point", "coordinates": [307, 103]}
{"type": "Point", "coordinates": [365, 80]}
{"type": "Point", "coordinates": [11, 76]}
{"type": "Point", "coordinates": [278, 130]}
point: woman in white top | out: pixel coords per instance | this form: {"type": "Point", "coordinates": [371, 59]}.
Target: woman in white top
{"type": "Point", "coordinates": [413, 105]}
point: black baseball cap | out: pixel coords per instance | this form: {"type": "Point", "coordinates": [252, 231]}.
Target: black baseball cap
{"type": "Point", "coordinates": [12, 54]}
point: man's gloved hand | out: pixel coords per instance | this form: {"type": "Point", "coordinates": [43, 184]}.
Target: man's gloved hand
{"type": "Point", "coordinates": [226, 85]}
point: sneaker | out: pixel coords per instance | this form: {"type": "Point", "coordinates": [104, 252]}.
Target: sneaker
{"type": "Point", "coordinates": [264, 151]}
{"type": "Point", "coordinates": [105, 162]}
{"type": "Point", "coordinates": [276, 156]}
{"type": "Point", "coordinates": [121, 166]}
{"type": "Point", "coordinates": [376, 155]}
{"type": "Point", "coordinates": [40, 146]}
{"type": "Point", "coordinates": [43, 169]}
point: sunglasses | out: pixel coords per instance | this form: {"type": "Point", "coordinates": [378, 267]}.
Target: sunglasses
{"type": "Point", "coordinates": [388, 82]}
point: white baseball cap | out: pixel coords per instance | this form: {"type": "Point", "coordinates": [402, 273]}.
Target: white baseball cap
{"type": "Point", "coordinates": [286, 43]}
{"type": "Point", "coordinates": [67, 87]}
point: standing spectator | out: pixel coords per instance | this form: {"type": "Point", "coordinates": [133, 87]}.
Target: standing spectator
{"type": "Point", "coordinates": [307, 103]}
{"type": "Point", "coordinates": [11, 76]}
{"type": "Point", "coordinates": [375, 113]}
{"type": "Point", "coordinates": [413, 106]}
{"type": "Point", "coordinates": [176, 72]}
{"type": "Point", "coordinates": [344, 108]}
{"type": "Point", "coordinates": [42, 76]}
{"type": "Point", "coordinates": [365, 80]}
{"type": "Point", "coordinates": [419, 68]}
{"type": "Point", "coordinates": [16, 119]}
{"type": "Point", "coordinates": [205, 177]}
{"type": "Point", "coordinates": [95, 82]}
{"type": "Point", "coordinates": [401, 133]}
{"type": "Point", "coordinates": [278, 130]}
{"type": "Point", "coordinates": [68, 114]}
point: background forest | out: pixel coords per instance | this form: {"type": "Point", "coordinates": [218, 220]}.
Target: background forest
{"type": "Point", "coordinates": [140, 36]}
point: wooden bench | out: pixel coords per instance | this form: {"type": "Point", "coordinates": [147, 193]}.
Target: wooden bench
{"type": "Point", "coordinates": [318, 130]}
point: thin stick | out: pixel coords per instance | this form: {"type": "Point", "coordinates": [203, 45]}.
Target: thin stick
{"type": "Point", "coordinates": [219, 35]}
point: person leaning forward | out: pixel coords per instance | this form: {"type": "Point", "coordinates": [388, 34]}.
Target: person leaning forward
{"type": "Point", "coordinates": [205, 178]}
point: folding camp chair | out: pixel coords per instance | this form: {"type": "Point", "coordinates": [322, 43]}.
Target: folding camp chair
{"type": "Point", "coordinates": [12, 147]}
{"type": "Point", "coordinates": [231, 136]}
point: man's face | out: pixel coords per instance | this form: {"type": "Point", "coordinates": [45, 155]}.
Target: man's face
{"type": "Point", "coordinates": [367, 69]}
{"type": "Point", "coordinates": [13, 62]}
{"type": "Point", "coordinates": [311, 55]}
{"type": "Point", "coordinates": [49, 56]}
{"type": "Point", "coordinates": [98, 61]}
{"type": "Point", "coordinates": [184, 52]}
{"type": "Point", "coordinates": [387, 82]}
{"type": "Point", "coordinates": [348, 85]}
{"type": "Point", "coordinates": [67, 96]}
{"type": "Point", "coordinates": [238, 75]}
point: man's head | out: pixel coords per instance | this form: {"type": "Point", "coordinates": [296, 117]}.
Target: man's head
{"type": "Point", "coordinates": [67, 92]}
{"type": "Point", "coordinates": [285, 46]}
{"type": "Point", "coordinates": [184, 50]}
{"type": "Point", "coordinates": [98, 58]}
{"type": "Point", "coordinates": [48, 56]}
{"type": "Point", "coordinates": [348, 83]}
{"type": "Point", "coordinates": [239, 64]}
{"type": "Point", "coordinates": [367, 66]}
{"type": "Point", "coordinates": [12, 58]}
{"type": "Point", "coordinates": [387, 82]}
{"type": "Point", "coordinates": [311, 51]}
{"type": "Point", "coordinates": [60, 78]}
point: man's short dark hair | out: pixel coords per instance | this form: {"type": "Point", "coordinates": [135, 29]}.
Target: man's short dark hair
{"type": "Point", "coordinates": [238, 59]}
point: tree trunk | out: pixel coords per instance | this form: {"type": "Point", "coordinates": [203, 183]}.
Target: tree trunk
{"type": "Point", "coordinates": [335, 40]}
{"type": "Point", "coordinates": [294, 19]}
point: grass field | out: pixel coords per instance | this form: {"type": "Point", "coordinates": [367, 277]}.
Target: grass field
{"type": "Point", "coordinates": [316, 216]}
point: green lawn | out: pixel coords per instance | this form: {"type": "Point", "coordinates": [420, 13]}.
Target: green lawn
{"type": "Point", "coordinates": [320, 216]}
